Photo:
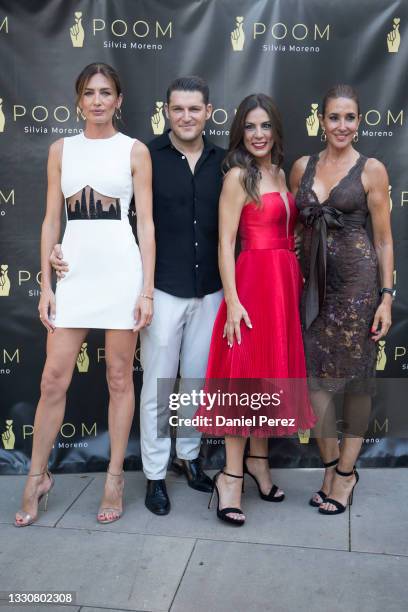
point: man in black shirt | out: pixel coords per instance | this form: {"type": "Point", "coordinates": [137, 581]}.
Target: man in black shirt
{"type": "Point", "coordinates": [186, 187]}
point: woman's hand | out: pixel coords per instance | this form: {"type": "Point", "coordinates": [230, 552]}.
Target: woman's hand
{"type": "Point", "coordinates": [46, 309]}
{"type": "Point", "coordinates": [143, 313]}
{"type": "Point", "coordinates": [298, 245]}
{"type": "Point", "coordinates": [235, 313]}
{"type": "Point", "coordinates": [382, 321]}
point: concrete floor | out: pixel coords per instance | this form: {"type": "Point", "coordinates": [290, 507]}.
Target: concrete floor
{"type": "Point", "coordinates": [286, 558]}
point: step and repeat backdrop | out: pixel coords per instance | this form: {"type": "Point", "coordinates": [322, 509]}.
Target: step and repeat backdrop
{"type": "Point", "coordinates": [293, 50]}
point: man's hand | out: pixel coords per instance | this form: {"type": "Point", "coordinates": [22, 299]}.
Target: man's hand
{"type": "Point", "coordinates": [56, 260]}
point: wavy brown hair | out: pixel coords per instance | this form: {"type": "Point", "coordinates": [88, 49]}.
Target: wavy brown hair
{"type": "Point", "coordinates": [238, 156]}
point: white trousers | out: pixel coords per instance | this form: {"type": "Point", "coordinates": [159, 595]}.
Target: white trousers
{"type": "Point", "coordinates": [180, 333]}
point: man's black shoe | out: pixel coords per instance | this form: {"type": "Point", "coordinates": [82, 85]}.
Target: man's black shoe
{"type": "Point", "coordinates": [157, 500]}
{"type": "Point", "coordinates": [192, 470]}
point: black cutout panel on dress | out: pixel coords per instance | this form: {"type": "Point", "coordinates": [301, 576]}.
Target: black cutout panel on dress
{"type": "Point", "coordinates": [89, 204]}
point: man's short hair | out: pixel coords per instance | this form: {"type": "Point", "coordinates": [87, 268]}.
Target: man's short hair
{"type": "Point", "coordinates": [189, 83]}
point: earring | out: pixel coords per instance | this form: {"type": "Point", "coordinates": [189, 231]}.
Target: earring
{"type": "Point", "coordinates": [118, 114]}
{"type": "Point", "coordinates": [355, 137]}
{"type": "Point", "coordinates": [323, 136]}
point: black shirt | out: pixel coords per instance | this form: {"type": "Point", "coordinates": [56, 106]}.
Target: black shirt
{"type": "Point", "coordinates": [185, 214]}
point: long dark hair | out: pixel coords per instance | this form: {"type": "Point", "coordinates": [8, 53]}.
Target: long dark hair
{"type": "Point", "coordinates": [341, 91]}
{"type": "Point", "coordinates": [88, 72]}
{"type": "Point", "coordinates": [238, 156]}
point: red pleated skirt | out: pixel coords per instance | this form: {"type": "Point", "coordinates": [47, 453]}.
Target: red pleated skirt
{"type": "Point", "coordinates": [270, 359]}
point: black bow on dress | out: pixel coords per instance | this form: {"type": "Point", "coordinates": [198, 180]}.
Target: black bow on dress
{"type": "Point", "coordinates": [320, 218]}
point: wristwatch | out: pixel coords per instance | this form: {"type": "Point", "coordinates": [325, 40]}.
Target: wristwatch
{"type": "Point", "coordinates": [392, 292]}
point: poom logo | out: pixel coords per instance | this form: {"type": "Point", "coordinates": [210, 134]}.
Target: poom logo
{"type": "Point", "coordinates": [238, 35]}
{"type": "Point", "coordinates": [4, 25]}
{"type": "Point", "coordinates": [304, 436]}
{"type": "Point", "coordinates": [312, 120]}
{"type": "Point", "coordinates": [83, 359]}
{"type": "Point", "coordinates": [157, 119]}
{"type": "Point", "coordinates": [2, 117]}
{"type": "Point", "coordinates": [137, 364]}
{"type": "Point", "coordinates": [394, 37]}
{"type": "Point", "coordinates": [8, 358]}
{"type": "Point", "coordinates": [4, 281]}
{"type": "Point", "coordinates": [381, 356]}
{"type": "Point", "coordinates": [77, 31]}
{"type": "Point", "coordinates": [7, 197]}
{"type": "Point", "coordinates": [7, 437]}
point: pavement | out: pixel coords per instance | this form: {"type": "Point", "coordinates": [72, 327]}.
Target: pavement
{"type": "Point", "coordinates": [285, 558]}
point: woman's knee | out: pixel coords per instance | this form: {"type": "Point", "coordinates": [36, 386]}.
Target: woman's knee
{"type": "Point", "coordinates": [120, 379]}
{"type": "Point", "coordinates": [54, 383]}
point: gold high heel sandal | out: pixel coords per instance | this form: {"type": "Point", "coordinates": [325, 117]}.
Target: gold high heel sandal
{"type": "Point", "coordinates": [27, 518]}
{"type": "Point", "coordinates": [115, 512]}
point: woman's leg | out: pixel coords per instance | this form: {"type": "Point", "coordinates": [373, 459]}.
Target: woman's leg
{"type": "Point", "coordinates": [356, 414]}
{"type": "Point", "coordinates": [230, 489]}
{"type": "Point", "coordinates": [62, 351]}
{"type": "Point", "coordinates": [120, 346]}
{"type": "Point", "coordinates": [258, 447]}
{"type": "Point", "coordinates": [326, 436]}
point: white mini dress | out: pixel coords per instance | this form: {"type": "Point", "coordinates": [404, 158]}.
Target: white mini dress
{"type": "Point", "coordinates": [105, 269]}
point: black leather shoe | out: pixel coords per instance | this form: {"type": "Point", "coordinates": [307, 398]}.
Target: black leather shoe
{"type": "Point", "coordinates": [157, 500]}
{"type": "Point", "coordinates": [192, 470]}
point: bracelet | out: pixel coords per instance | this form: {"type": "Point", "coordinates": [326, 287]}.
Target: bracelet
{"type": "Point", "coordinates": [148, 297]}
{"type": "Point", "coordinates": [392, 292]}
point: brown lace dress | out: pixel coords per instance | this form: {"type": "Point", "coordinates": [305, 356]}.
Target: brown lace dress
{"type": "Point", "coordinates": [341, 284]}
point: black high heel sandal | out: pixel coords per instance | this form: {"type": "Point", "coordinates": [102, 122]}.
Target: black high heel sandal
{"type": "Point", "coordinates": [223, 514]}
{"type": "Point", "coordinates": [271, 497]}
{"type": "Point", "coordinates": [339, 506]}
{"type": "Point", "coordinates": [322, 494]}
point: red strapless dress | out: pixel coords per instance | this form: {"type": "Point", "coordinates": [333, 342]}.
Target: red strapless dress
{"type": "Point", "coordinates": [269, 285]}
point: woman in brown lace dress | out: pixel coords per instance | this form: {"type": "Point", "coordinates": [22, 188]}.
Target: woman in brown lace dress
{"type": "Point", "coordinates": [344, 310]}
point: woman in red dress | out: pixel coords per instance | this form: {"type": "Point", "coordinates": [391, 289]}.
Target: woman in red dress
{"type": "Point", "coordinates": [256, 345]}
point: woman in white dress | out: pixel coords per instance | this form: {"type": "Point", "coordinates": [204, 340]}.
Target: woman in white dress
{"type": "Point", "coordinates": [109, 285]}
